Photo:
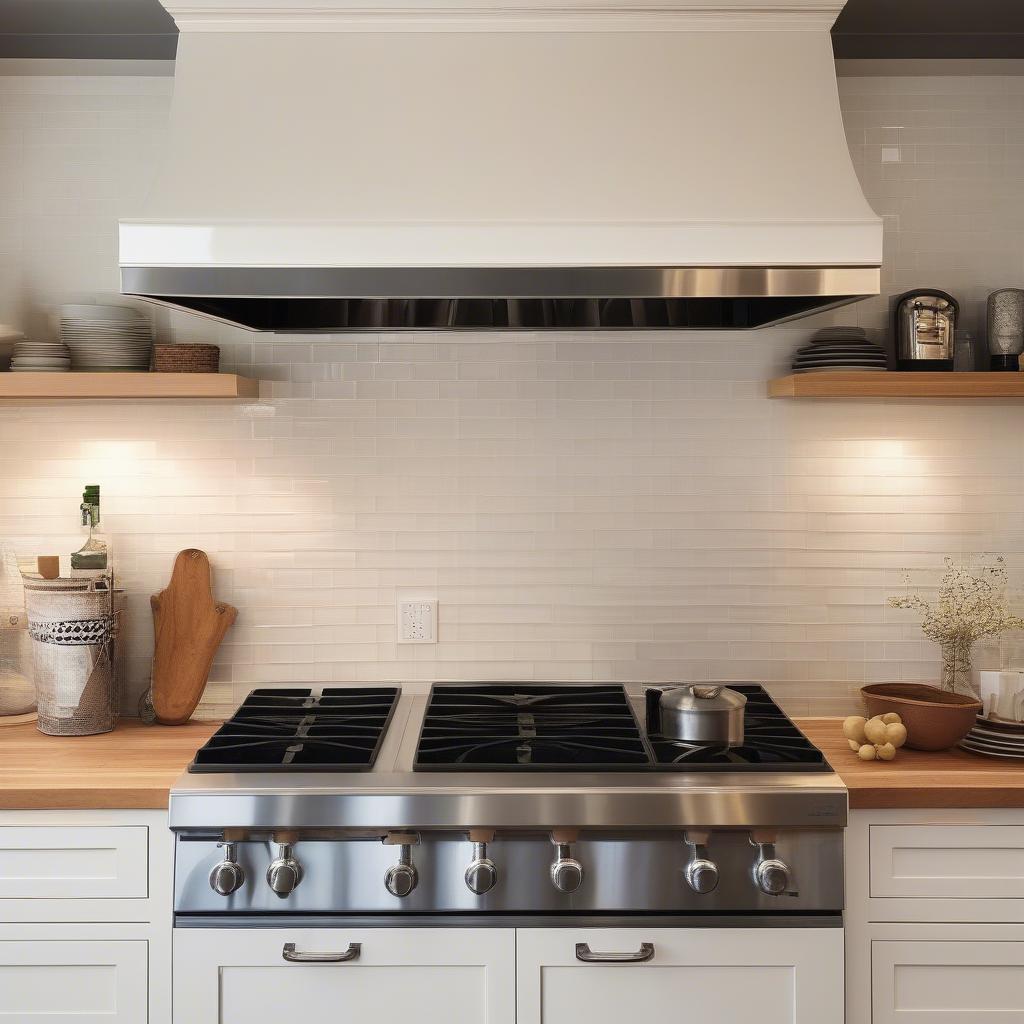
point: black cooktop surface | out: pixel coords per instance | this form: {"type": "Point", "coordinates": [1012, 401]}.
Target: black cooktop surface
{"type": "Point", "coordinates": [565, 727]}
{"type": "Point", "coordinates": [771, 742]}
{"type": "Point", "coordinates": [336, 730]}
{"type": "Point", "coordinates": [526, 726]}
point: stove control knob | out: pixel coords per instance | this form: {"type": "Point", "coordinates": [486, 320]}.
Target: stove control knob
{"type": "Point", "coordinates": [227, 876]}
{"type": "Point", "coordinates": [771, 875]}
{"type": "Point", "coordinates": [402, 878]}
{"type": "Point", "coordinates": [481, 875]}
{"type": "Point", "coordinates": [284, 873]}
{"type": "Point", "coordinates": [566, 871]}
{"type": "Point", "coordinates": [701, 873]}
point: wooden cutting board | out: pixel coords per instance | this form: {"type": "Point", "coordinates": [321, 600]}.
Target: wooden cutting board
{"type": "Point", "coordinates": [188, 626]}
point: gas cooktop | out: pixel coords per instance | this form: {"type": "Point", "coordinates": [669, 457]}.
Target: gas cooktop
{"type": "Point", "coordinates": [335, 730]}
{"type": "Point", "coordinates": [771, 742]}
{"type": "Point", "coordinates": [492, 727]}
{"type": "Point", "coordinates": [522, 727]}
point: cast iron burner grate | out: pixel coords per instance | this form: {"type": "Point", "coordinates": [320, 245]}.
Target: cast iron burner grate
{"type": "Point", "coordinates": [338, 729]}
{"type": "Point", "coordinates": [530, 727]}
{"type": "Point", "coordinates": [771, 741]}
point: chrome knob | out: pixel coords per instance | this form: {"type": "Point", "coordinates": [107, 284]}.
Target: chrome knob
{"type": "Point", "coordinates": [402, 878]}
{"type": "Point", "coordinates": [771, 875]}
{"type": "Point", "coordinates": [481, 875]}
{"type": "Point", "coordinates": [566, 871]}
{"type": "Point", "coordinates": [701, 872]}
{"type": "Point", "coordinates": [702, 875]}
{"type": "Point", "coordinates": [227, 876]}
{"type": "Point", "coordinates": [285, 872]}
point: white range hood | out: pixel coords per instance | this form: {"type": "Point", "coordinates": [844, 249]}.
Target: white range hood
{"type": "Point", "coordinates": [469, 164]}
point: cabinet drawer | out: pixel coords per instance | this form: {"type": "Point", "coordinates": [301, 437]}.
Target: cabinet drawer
{"type": "Point", "coordinates": [940, 982]}
{"type": "Point", "coordinates": [73, 982]}
{"type": "Point", "coordinates": [76, 862]}
{"type": "Point", "coordinates": [381, 975]}
{"type": "Point", "coordinates": [947, 861]}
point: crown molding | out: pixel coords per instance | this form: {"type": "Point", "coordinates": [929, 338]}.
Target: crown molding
{"type": "Point", "coordinates": [498, 15]}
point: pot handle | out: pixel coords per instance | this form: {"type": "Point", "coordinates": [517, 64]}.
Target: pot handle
{"type": "Point", "coordinates": [652, 705]}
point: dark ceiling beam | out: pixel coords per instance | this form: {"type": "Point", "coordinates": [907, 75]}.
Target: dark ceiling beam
{"type": "Point", "coordinates": [930, 30]}
{"type": "Point", "coordinates": [87, 30]}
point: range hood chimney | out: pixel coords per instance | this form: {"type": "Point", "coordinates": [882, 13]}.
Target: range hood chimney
{"type": "Point", "coordinates": [504, 164]}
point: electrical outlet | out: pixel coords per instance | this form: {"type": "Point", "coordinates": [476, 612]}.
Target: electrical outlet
{"type": "Point", "coordinates": [417, 621]}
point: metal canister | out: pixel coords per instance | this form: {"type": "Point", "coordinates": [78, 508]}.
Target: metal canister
{"type": "Point", "coordinates": [1006, 328]}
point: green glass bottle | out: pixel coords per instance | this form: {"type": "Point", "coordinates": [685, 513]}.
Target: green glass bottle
{"type": "Point", "coordinates": [94, 553]}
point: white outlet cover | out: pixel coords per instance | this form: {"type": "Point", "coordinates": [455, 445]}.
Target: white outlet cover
{"type": "Point", "coordinates": [417, 620]}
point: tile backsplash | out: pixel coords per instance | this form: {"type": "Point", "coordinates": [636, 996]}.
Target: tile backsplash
{"type": "Point", "coordinates": [583, 507]}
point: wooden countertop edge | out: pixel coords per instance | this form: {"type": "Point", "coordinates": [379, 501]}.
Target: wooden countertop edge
{"type": "Point", "coordinates": [62, 797]}
{"type": "Point", "coordinates": [916, 780]}
{"type": "Point", "coordinates": [131, 768]}
{"type": "Point", "coordinates": [134, 767]}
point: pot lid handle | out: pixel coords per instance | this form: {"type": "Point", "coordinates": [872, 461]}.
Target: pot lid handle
{"type": "Point", "coordinates": [706, 692]}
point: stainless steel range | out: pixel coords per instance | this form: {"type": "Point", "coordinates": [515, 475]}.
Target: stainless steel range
{"type": "Point", "coordinates": [508, 854]}
{"type": "Point", "coordinates": [489, 802]}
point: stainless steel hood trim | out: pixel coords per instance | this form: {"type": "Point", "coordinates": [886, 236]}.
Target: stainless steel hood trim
{"type": "Point", "coordinates": [504, 282]}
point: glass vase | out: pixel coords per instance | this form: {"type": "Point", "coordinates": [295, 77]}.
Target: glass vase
{"type": "Point", "coordinates": [956, 667]}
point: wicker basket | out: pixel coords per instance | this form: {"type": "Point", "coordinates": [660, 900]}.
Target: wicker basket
{"type": "Point", "coordinates": [186, 358]}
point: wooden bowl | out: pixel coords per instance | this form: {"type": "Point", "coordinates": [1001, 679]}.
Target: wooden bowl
{"type": "Point", "coordinates": [935, 719]}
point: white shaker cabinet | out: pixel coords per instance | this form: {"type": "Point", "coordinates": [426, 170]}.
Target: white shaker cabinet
{"type": "Point", "coordinates": [935, 917]}
{"type": "Point", "coordinates": [85, 980]}
{"type": "Point", "coordinates": [386, 975]}
{"type": "Point", "coordinates": [85, 917]}
{"type": "Point", "coordinates": [771, 975]}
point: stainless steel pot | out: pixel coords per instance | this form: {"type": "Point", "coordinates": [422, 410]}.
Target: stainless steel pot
{"type": "Point", "coordinates": [697, 713]}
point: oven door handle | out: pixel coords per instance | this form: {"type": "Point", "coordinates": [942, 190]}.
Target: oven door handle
{"type": "Point", "coordinates": [293, 957]}
{"type": "Point", "coordinates": [586, 955]}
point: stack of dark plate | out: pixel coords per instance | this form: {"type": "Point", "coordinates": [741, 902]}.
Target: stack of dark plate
{"type": "Point", "coordinates": [839, 348]}
{"type": "Point", "coordinates": [995, 737]}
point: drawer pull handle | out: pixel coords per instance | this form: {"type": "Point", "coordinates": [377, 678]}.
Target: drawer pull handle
{"type": "Point", "coordinates": [585, 954]}
{"type": "Point", "coordinates": [293, 957]}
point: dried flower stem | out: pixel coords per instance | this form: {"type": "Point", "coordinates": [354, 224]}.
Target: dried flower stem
{"type": "Point", "coordinates": [969, 606]}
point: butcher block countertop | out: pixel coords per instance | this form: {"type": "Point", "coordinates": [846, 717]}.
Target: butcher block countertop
{"type": "Point", "coordinates": [134, 767]}
{"type": "Point", "coordinates": [948, 778]}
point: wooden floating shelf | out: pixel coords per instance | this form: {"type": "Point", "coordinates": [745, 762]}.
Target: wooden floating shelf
{"type": "Point", "coordinates": [850, 384]}
{"type": "Point", "coordinates": [126, 385]}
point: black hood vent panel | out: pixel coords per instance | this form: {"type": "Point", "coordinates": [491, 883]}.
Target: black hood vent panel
{"type": "Point", "coordinates": [338, 300]}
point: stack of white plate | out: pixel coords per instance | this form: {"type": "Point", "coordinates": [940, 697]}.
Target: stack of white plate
{"type": "Point", "coordinates": [106, 338]}
{"type": "Point", "coordinates": [41, 357]}
{"type": "Point", "coordinates": [995, 737]}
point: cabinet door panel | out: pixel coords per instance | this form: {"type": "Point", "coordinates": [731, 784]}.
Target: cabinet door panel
{"type": "Point", "coordinates": [928, 982]}
{"type": "Point", "coordinates": [947, 861]}
{"type": "Point", "coordinates": [432, 976]}
{"type": "Point", "coordinates": [73, 982]}
{"type": "Point", "coordinates": [775, 976]}
{"type": "Point", "coordinates": [76, 862]}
